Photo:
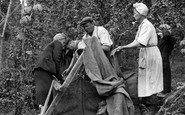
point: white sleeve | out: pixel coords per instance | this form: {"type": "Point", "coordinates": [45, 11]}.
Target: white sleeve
{"type": "Point", "coordinates": [144, 34]}
{"type": "Point", "coordinates": [104, 37]}
{"type": "Point", "coordinates": [81, 44]}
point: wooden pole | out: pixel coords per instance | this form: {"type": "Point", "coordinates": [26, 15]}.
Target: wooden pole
{"type": "Point", "coordinates": [2, 36]}
{"type": "Point", "coordinates": [43, 109]}
{"type": "Point", "coordinates": [65, 85]}
{"type": "Point", "coordinates": [16, 8]}
{"type": "Point", "coordinates": [1, 51]}
{"type": "Point", "coordinates": [6, 19]}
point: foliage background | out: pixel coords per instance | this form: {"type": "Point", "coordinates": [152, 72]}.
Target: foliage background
{"type": "Point", "coordinates": [23, 43]}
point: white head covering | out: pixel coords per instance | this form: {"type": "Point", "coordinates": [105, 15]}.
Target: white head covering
{"type": "Point", "coordinates": [59, 36]}
{"type": "Point", "coordinates": [165, 26]}
{"type": "Point", "coordinates": [141, 8]}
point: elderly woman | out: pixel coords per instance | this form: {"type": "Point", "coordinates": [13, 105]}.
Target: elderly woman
{"type": "Point", "coordinates": [166, 46]}
{"type": "Point", "coordinates": [53, 61]}
{"type": "Point", "coordinates": [150, 76]}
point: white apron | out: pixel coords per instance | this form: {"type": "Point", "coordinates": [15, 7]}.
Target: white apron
{"type": "Point", "coordinates": [150, 76]}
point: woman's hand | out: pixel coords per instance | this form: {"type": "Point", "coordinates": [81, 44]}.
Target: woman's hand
{"type": "Point", "coordinates": [119, 48]}
{"type": "Point", "coordinates": [116, 50]}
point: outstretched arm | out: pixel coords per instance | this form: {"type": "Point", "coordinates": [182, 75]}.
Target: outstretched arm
{"type": "Point", "coordinates": [73, 61]}
{"type": "Point", "coordinates": [131, 45]}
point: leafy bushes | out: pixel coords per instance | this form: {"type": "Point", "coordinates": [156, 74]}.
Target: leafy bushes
{"type": "Point", "coordinates": [26, 41]}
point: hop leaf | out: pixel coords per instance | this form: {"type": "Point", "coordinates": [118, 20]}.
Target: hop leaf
{"type": "Point", "coordinates": [29, 52]}
{"type": "Point", "coordinates": [20, 36]}
{"type": "Point", "coordinates": [182, 42]}
{"type": "Point", "coordinates": [37, 7]}
{"type": "Point", "coordinates": [183, 51]}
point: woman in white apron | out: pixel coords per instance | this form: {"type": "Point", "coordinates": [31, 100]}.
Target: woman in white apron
{"type": "Point", "coordinates": [150, 76]}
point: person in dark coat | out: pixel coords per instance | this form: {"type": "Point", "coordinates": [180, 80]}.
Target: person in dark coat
{"type": "Point", "coordinates": [54, 59]}
{"type": "Point", "coordinates": [166, 45]}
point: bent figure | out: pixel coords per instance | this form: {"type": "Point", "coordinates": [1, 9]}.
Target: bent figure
{"type": "Point", "coordinates": [95, 89]}
{"type": "Point", "coordinates": [53, 61]}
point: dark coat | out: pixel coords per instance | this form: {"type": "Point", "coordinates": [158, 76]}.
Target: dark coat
{"type": "Point", "coordinates": [166, 45]}
{"type": "Point", "coordinates": [51, 58]}
{"type": "Point", "coordinates": [53, 61]}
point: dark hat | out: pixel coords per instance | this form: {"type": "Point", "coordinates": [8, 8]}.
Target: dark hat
{"type": "Point", "coordinates": [86, 20]}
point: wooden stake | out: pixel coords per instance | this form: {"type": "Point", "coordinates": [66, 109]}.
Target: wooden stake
{"type": "Point", "coordinates": [6, 19]}
{"type": "Point", "coordinates": [16, 8]}
{"type": "Point", "coordinates": [43, 109]}
{"type": "Point", "coordinates": [65, 85]}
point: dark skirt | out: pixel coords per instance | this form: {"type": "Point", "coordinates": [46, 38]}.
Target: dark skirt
{"type": "Point", "coordinates": [43, 81]}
